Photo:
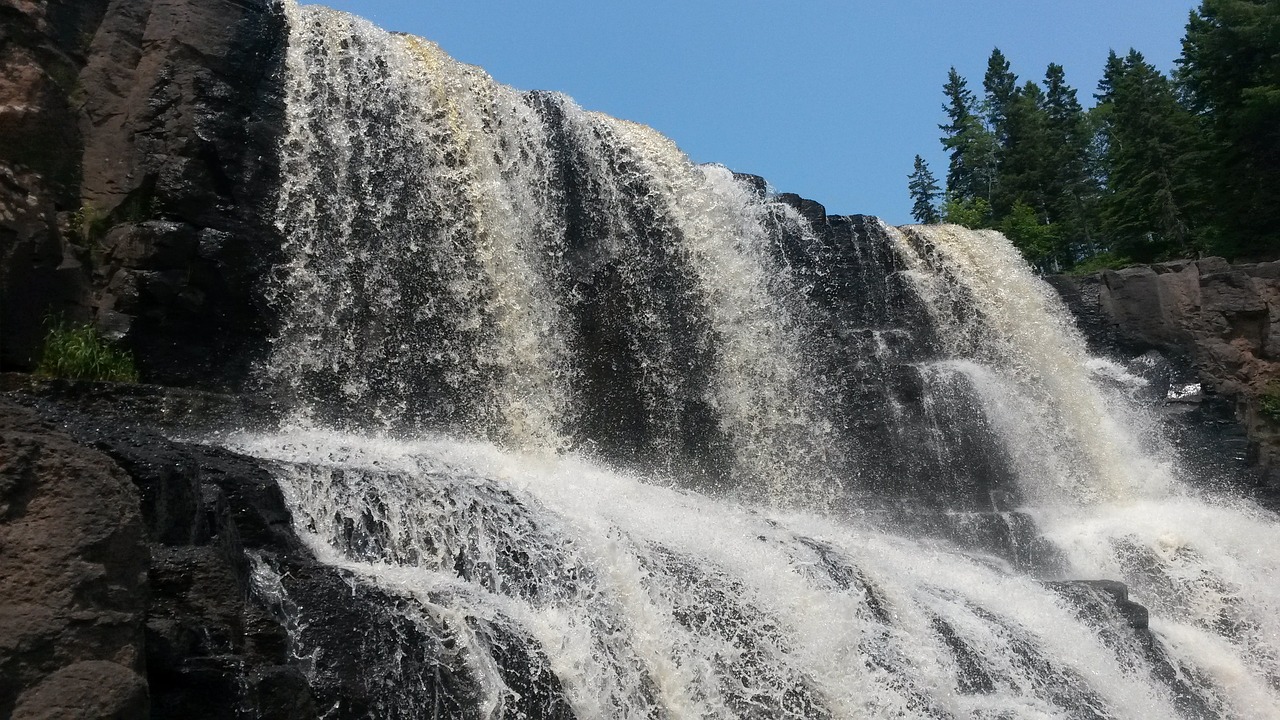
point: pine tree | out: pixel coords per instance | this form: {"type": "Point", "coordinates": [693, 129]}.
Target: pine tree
{"type": "Point", "coordinates": [1072, 192]}
{"type": "Point", "coordinates": [968, 142]}
{"type": "Point", "coordinates": [1111, 73]}
{"type": "Point", "coordinates": [1099, 116]}
{"type": "Point", "coordinates": [1230, 74]}
{"type": "Point", "coordinates": [1150, 148]}
{"type": "Point", "coordinates": [924, 194]}
{"type": "Point", "coordinates": [1024, 162]}
{"type": "Point", "coordinates": [1000, 87]}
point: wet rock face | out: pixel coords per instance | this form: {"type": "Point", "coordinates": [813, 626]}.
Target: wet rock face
{"type": "Point", "coordinates": [146, 208]}
{"type": "Point", "coordinates": [1217, 317]}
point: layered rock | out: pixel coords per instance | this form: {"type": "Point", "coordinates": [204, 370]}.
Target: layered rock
{"type": "Point", "coordinates": [137, 166]}
{"type": "Point", "coordinates": [1219, 318]}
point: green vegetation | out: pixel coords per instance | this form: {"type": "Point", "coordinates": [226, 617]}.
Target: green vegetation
{"type": "Point", "coordinates": [88, 225]}
{"type": "Point", "coordinates": [1161, 167]}
{"type": "Point", "coordinates": [78, 352]}
{"type": "Point", "coordinates": [1269, 402]}
{"type": "Point", "coordinates": [1101, 261]}
{"type": "Point", "coordinates": [924, 194]}
{"type": "Point", "coordinates": [969, 212]}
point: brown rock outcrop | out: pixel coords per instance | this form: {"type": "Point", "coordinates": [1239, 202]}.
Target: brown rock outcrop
{"type": "Point", "coordinates": [1222, 318]}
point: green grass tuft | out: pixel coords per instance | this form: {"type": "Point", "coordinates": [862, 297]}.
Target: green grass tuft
{"type": "Point", "coordinates": [78, 352]}
{"type": "Point", "coordinates": [88, 225]}
{"type": "Point", "coordinates": [1269, 401]}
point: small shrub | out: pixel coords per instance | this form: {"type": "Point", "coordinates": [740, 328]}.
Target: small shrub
{"type": "Point", "coordinates": [78, 352]}
{"type": "Point", "coordinates": [1099, 262]}
{"type": "Point", "coordinates": [1269, 402]}
{"type": "Point", "coordinates": [88, 225]}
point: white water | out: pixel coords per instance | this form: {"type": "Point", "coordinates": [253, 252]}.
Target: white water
{"type": "Point", "coordinates": [718, 607]}
{"type": "Point", "coordinates": [452, 174]}
{"type": "Point", "coordinates": [437, 250]}
{"type": "Point", "coordinates": [1205, 566]}
{"type": "Point", "coordinates": [441, 164]}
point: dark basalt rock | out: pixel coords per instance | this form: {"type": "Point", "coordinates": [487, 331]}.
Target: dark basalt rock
{"type": "Point", "coordinates": [1087, 592]}
{"type": "Point", "coordinates": [1124, 626]}
{"type": "Point", "coordinates": [91, 689]}
{"type": "Point", "coordinates": [146, 209]}
{"type": "Point", "coordinates": [41, 272]}
{"type": "Point", "coordinates": [42, 50]}
{"type": "Point", "coordinates": [146, 539]}
{"type": "Point", "coordinates": [175, 581]}
{"type": "Point", "coordinates": [73, 575]}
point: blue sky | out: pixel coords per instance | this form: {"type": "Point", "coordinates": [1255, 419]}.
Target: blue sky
{"type": "Point", "coordinates": [827, 99]}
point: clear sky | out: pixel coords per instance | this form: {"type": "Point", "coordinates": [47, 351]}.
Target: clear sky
{"type": "Point", "coordinates": [831, 100]}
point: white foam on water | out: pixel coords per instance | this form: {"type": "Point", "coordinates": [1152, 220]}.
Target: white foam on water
{"type": "Point", "coordinates": [714, 605]}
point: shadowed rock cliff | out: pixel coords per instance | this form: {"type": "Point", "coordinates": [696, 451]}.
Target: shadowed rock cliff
{"type": "Point", "coordinates": [137, 161]}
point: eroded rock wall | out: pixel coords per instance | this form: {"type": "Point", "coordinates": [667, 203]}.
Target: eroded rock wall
{"type": "Point", "coordinates": [137, 170]}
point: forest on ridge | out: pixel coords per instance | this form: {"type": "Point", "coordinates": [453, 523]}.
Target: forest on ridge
{"type": "Point", "coordinates": [1160, 167]}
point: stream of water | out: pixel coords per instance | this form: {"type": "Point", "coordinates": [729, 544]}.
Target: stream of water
{"type": "Point", "coordinates": [637, 438]}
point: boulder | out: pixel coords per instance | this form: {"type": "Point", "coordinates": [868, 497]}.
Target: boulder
{"type": "Point", "coordinates": [73, 576]}
{"type": "Point", "coordinates": [91, 690]}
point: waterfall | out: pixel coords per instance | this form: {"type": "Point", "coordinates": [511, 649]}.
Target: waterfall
{"type": "Point", "coordinates": [624, 436]}
{"type": "Point", "coordinates": [451, 241]}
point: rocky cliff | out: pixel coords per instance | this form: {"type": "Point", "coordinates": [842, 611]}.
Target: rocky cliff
{"type": "Point", "coordinates": [137, 159]}
{"type": "Point", "coordinates": [1219, 322]}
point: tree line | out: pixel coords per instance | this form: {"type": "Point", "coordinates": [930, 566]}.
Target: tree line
{"type": "Point", "coordinates": [1160, 167]}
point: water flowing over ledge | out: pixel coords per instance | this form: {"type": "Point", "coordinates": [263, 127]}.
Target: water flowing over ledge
{"type": "Point", "coordinates": [633, 437]}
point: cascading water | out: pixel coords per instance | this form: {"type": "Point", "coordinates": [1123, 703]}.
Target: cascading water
{"type": "Point", "coordinates": [628, 437]}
